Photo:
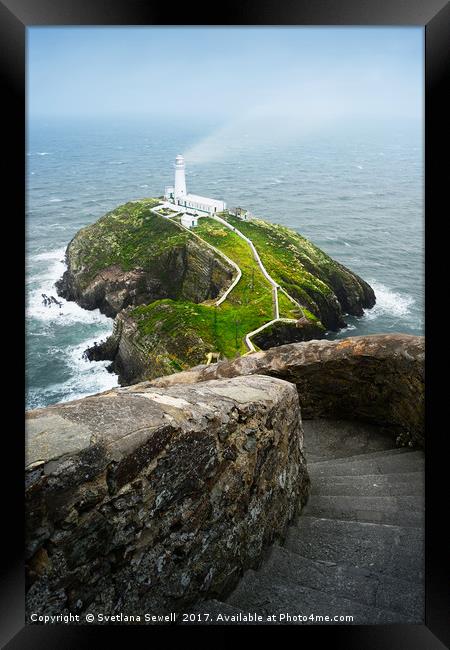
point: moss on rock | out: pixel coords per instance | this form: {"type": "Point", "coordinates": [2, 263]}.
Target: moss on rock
{"type": "Point", "coordinates": [161, 281]}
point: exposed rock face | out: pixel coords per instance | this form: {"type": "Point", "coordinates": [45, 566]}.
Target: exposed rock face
{"type": "Point", "coordinates": [376, 379]}
{"type": "Point", "coordinates": [281, 333]}
{"type": "Point", "coordinates": [137, 358]}
{"type": "Point", "coordinates": [187, 271]}
{"type": "Point", "coordinates": [148, 499]}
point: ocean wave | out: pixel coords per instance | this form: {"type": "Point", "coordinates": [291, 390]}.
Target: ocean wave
{"type": "Point", "coordinates": [69, 312]}
{"type": "Point", "coordinates": [389, 302]}
{"type": "Point", "coordinates": [53, 255]}
{"type": "Point", "coordinates": [87, 378]}
{"type": "Point", "coordinates": [55, 200]}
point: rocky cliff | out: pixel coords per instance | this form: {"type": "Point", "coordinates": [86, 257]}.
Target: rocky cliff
{"type": "Point", "coordinates": [160, 281]}
{"type": "Point", "coordinates": [133, 257]}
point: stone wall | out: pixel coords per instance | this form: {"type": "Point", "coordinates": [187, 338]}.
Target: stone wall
{"type": "Point", "coordinates": [148, 500]}
{"type": "Point", "coordinates": [378, 379]}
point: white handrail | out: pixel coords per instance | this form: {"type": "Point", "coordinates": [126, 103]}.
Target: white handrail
{"type": "Point", "coordinates": [225, 295]}
{"type": "Point", "coordinates": [275, 286]}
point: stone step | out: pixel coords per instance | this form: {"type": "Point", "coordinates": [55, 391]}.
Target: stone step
{"type": "Point", "coordinates": [274, 604]}
{"type": "Point", "coordinates": [368, 456]}
{"type": "Point", "coordinates": [391, 464]}
{"type": "Point", "coordinates": [213, 612]}
{"type": "Point", "coordinates": [270, 595]}
{"type": "Point", "coordinates": [313, 458]}
{"type": "Point", "coordinates": [392, 550]}
{"type": "Point", "coordinates": [326, 438]}
{"type": "Point", "coordinates": [400, 511]}
{"type": "Point", "coordinates": [407, 484]}
{"type": "Point", "coordinates": [363, 586]}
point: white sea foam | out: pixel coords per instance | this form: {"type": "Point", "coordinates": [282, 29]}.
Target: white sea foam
{"type": "Point", "coordinates": [86, 377]}
{"type": "Point", "coordinates": [50, 255]}
{"type": "Point", "coordinates": [69, 312]}
{"type": "Point", "coordinates": [55, 200]}
{"type": "Point", "coordinates": [390, 303]}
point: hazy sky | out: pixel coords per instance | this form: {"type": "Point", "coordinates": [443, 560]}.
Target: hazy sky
{"type": "Point", "coordinates": [226, 73]}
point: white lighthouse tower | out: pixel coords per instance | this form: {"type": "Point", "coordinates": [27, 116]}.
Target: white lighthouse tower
{"type": "Point", "coordinates": [180, 179]}
{"type": "Point", "coordinates": [191, 206]}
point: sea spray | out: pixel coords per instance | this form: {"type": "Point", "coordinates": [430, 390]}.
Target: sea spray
{"type": "Point", "coordinates": [72, 328]}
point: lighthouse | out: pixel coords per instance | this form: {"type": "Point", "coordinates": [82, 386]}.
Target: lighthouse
{"type": "Point", "coordinates": [192, 206]}
{"type": "Point", "coordinates": [180, 179]}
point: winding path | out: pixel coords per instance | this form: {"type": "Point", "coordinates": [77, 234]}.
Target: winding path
{"type": "Point", "coordinates": [275, 286]}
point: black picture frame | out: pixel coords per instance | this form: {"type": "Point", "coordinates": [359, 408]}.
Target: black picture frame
{"type": "Point", "coordinates": [434, 15]}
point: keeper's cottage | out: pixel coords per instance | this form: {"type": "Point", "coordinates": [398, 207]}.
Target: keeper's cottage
{"type": "Point", "coordinates": [193, 205]}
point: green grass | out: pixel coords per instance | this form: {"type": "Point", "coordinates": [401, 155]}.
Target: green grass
{"type": "Point", "coordinates": [221, 328]}
{"type": "Point", "coordinates": [248, 306]}
{"type": "Point", "coordinates": [130, 236]}
{"type": "Point", "coordinates": [293, 261]}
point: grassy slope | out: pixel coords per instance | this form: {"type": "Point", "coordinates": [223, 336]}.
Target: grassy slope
{"type": "Point", "coordinates": [248, 306]}
{"type": "Point", "coordinates": [129, 236]}
{"type": "Point", "coordinates": [287, 256]}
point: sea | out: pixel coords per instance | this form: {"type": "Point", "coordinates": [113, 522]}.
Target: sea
{"type": "Point", "coordinates": [355, 189]}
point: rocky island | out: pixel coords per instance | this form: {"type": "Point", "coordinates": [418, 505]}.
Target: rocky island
{"type": "Point", "coordinates": [178, 294]}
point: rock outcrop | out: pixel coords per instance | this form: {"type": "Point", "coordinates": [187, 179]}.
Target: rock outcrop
{"type": "Point", "coordinates": [377, 379]}
{"type": "Point", "coordinates": [133, 257]}
{"type": "Point", "coordinates": [161, 280]}
{"type": "Point", "coordinates": [326, 287]}
{"type": "Point", "coordinates": [149, 499]}
{"type": "Point", "coordinates": [281, 333]}
{"type": "Point", "coordinates": [165, 349]}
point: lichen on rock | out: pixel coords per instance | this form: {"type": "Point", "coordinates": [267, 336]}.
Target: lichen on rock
{"type": "Point", "coordinates": [152, 499]}
{"type": "Point", "coordinates": [377, 378]}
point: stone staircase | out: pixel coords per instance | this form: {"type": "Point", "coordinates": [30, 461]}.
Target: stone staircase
{"type": "Point", "coordinates": [358, 547]}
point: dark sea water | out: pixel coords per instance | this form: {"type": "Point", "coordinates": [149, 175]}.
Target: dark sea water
{"type": "Point", "coordinates": [355, 190]}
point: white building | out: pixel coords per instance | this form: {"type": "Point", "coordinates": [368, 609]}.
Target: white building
{"type": "Point", "coordinates": [193, 203]}
{"type": "Point", "coordinates": [189, 220]}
